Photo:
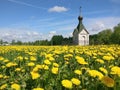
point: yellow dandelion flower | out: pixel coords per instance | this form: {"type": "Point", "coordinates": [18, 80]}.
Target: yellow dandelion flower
{"type": "Point", "coordinates": [15, 86]}
{"type": "Point", "coordinates": [10, 64]}
{"type": "Point", "coordinates": [67, 84]}
{"type": "Point", "coordinates": [54, 70]}
{"type": "Point", "coordinates": [75, 81]}
{"type": "Point", "coordinates": [31, 64]}
{"type": "Point", "coordinates": [81, 60]}
{"type": "Point", "coordinates": [2, 87]}
{"type": "Point", "coordinates": [78, 72]}
{"type": "Point", "coordinates": [108, 57]}
{"type": "Point", "coordinates": [1, 76]}
{"type": "Point", "coordinates": [47, 62]}
{"type": "Point", "coordinates": [32, 58]}
{"type": "Point", "coordinates": [103, 70]}
{"type": "Point", "coordinates": [95, 73]}
{"type": "Point", "coordinates": [35, 75]}
{"type": "Point", "coordinates": [109, 82]}
{"type": "Point", "coordinates": [55, 65]}
{"type": "Point", "coordinates": [18, 69]}
{"type": "Point", "coordinates": [100, 61]}
{"type": "Point", "coordinates": [115, 70]}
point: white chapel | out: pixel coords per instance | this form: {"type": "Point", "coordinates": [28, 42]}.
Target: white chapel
{"type": "Point", "coordinates": [80, 34]}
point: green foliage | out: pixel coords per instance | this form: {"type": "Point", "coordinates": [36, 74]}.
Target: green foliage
{"type": "Point", "coordinates": [57, 40]}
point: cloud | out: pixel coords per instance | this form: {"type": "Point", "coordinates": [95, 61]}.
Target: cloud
{"type": "Point", "coordinates": [58, 9]}
{"type": "Point", "coordinates": [9, 34]}
{"type": "Point", "coordinates": [95, 25]}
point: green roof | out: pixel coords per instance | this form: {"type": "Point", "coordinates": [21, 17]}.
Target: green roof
{"type": "Point", "coordinates": [80, 26]}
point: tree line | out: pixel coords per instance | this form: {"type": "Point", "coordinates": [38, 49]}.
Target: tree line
{"type": "Point", "coordinates": [107, 36]}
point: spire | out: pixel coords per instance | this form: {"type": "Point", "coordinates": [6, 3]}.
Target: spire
{"type": "Point", "coordinates": [80, 11]}
{"type": "Point", "coordinates": [80, 17]}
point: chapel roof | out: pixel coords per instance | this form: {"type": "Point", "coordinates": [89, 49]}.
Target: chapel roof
{"type": "Point", "coordinates": [80, 25]}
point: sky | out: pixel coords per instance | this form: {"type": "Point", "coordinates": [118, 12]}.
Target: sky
{"type": "Point", "coordinates": [30, 20]}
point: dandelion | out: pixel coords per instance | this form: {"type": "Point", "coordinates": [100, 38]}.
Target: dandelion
{"type": "Point", "coordinates": [78, 72]}
{"type": "Point", "coordinates": [1, 76]}
{"type": "Point", "coordinates": [109, 82]}
{"type": "Point", "coordinates": [108, 57]}
{"type": "Point", "coordinates": [55, 70]}
{"type": "Point", "coordinates": [81, 60]}
{"type": "Point", "coordinates": [100, 61]}
{"type": "Point", "coordinates": [55, 65]}
{"type": "Point", "coordinates": [35, 75]}
{"type": "Point", "coordinates": [103, 70]}
{"type": "Point", "coordinates": [15, 86]}
{"type": "Point", "coordinates": [18, 69]}
{"type": "Point", "coordinates": [2, 87]}
{"type": "Point", "coordinates": [32, 58]}
{"type": "Point", "coordinates": [95, 73]}
{"type": "Point", "coordinates": [31, 64]}
{"type": "Point", "coordinates": [47, 62]}
{"type": "Point", "coordinates": [75, 81]}
{"type": "Point", "coordinates": [11, 64]}
{"type": "Point", "coordinates": [67, 84]}
{"type": "Point", "coordinates": [115, 70]}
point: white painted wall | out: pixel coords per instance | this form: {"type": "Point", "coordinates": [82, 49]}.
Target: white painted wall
{"type": "Point", "coordinates": [81, 38]}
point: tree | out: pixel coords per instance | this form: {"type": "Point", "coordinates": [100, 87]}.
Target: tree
{"type": "Point", "coordinates": [104, 36]}
{"type": "Point", "coordinates": [57, 40]}
{"type": "Point", "coordinates": [116, 35]}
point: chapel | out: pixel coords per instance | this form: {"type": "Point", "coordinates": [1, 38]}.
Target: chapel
{"type": "Point", "coordinates": [80, 33]}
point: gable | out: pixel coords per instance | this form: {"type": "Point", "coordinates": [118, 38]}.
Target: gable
{"type": "Point", "coordinates": [83, 32]}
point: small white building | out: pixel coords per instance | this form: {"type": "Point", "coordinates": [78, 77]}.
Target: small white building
{"type": "Point", "coordinates": [80, 34]}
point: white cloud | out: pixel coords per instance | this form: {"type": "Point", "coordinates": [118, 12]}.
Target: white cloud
{"type": "Point", "coordinates": [95, 25]}
{"type": "Point", "coordinates": [9, 34]}
{"type": "Point", "coordinates": [58, 9]}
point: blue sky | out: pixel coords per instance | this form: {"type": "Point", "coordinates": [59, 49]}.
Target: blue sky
{"type": "Point", "coordinates": [29, 20]}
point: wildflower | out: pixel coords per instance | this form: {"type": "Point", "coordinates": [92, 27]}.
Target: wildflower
{"type": "Point", "coordinates": [67, 84]}
{"type": "Point", "coordinates": [35, 75]}
{"type": "Point", "coordinates": [109, 82]}
{"type": "Point", "coordinates": [80, 60]}
{"type": "Point", "coordinates": [38, 89]}
{"type": "Point", "coordinates": [31, 64]}
{"type": "Point", "coordinates": [32, 58]}
{"type": "Point", "coordinates": [108, 57]}
{"type": "Point", "coordinates": [95, 73]}
{"type": "Point", "coordinates": [55, 65]}
{"type": "Point", "coordinates": [78, 72]}
{"type": "Point", "coordinates": [2, 87]}
{"type": "Point", "coordinates": [75, 81]}
{"type": "Point", "coordinates": [18, 69]}
{"type": "Point", "coordinates": [1, 76]}
{"type": "Point", "coordinates": [115, 70]}
{"type": "Point", "coordinates": [100, 61]}
{"type": "Point", "coordinates": [47, 62]}
{"type": "Point", "coordinates": [10, 64]}
{"type": "Point", "coordinates": [15, 86]}
{"type": "Point", "coordinates": [103, 70]}
{"type": "Point", "coordinates": [55, 70]}
{"type": "Point", "coordinates": [45, 67]}
{"type": "Point", "coordinates": [35, 69]}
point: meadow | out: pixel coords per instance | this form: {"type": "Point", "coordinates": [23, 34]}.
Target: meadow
{"type": "Point", "coordinates": [60, 67]}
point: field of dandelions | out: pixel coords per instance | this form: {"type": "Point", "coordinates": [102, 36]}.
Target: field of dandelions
{"type": "Point", "coordinates": [60, 67]}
